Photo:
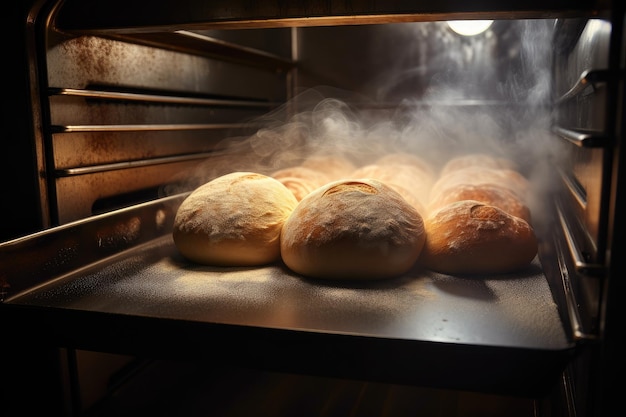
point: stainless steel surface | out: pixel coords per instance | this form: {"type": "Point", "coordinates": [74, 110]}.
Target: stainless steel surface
{"type": "Point", "coordinates": [515, 311]}
{"type": "Point", "coordinates": [115, 95]}
{"type": "Point", "coordinates": [121, 270]}
{"type": "Point", "coordinates": [144, 16]}
{"type": "Point", "coordinates": [161, 80]}
{"type": "Point", "coordinates": [128, 121]}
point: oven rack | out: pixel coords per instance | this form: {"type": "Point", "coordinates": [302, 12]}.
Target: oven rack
{"type": "Point", "coordinates": [578, 239]}
{"type": "Point", "coordinates": [116, 283]}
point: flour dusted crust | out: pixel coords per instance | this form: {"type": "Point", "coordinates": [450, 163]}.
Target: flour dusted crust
{"type": "Point", "coordinates": [352, 230]}
{"type": "Point", "coordinates": [300, 180]}
{"type": "Point", "coordinates": [233, 220]}
{"type": "Point", "coordinates": [489, 194]}
{"type": "Point", "coordinates": [469, 237]}
{"type": "Point", "coordinates": [413, 182]}
{"type": "Point", "coordinates": [476, 175]}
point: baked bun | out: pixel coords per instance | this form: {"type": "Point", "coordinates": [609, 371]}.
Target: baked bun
{"type": "Point", "coordinates": [489, 194]}
{"type": "Point", "coordinates": [404, 178]}
{"type": "Point", "coordinates": [469, 237]}
{"type": "Point", "coordinates": [477, 160]}
{"type": "Point", "coordinates": [300, 180]}
{"type": "Point", "coordinates": [506, 178]}
{"type": "Point", "coordinates": [353, 230]}
{"type": "Point", "coordinates": [233, 220]}
{"type": "Point", "coordinates": [334, 166]}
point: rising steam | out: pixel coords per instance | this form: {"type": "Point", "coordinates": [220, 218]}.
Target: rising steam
{"type": "Point", "coordinates": [441, 95]}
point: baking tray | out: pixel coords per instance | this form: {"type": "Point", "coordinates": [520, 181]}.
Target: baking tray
{"type": "Point", "coordinates": [116, 283]}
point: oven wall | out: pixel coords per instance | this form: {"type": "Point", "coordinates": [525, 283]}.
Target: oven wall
{"type": "Point", "coordinates": [127, 125]}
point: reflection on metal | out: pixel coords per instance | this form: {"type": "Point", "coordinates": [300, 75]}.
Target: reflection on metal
{"type": "Point", "coordinates": [578, 259]}
{"type": "Point", "coordinates": [583, 139]}
{"type": "Point", "coordinates": [589, 79]}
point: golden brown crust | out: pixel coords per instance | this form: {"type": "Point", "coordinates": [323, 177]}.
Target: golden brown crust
{"type": "Point", "coordinates": [489, 194]}
{"type": "Point", "coordinates": [233, 220]}
{"type": "Point", "coordinates": [352, 229]}
{"type": "Point", "coordinates": [469, 237]}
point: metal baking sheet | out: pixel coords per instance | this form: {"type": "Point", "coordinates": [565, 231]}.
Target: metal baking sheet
{"type": "Point", "coordinates": [496, 333]}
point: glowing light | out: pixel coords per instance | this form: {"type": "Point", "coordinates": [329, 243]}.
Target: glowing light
{"type": "Point", "coordinates": [469, 27]}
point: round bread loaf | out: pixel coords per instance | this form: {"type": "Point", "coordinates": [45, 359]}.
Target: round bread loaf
{"type": "Point", "coordinates": [300, 180]}
{"type": "Point", "coordinates": [233, 220]}
{"type": "Point", "coordinates": [489, 194]}
{"type": "Point", "coordinates": [404, 178]}
{"type": "Point", "coordinates": [475, 175]}
{"type": "Point", "coordinates": [477, 160]}
{"type": "Point", "coordinates": [469, 237]}
{"type": "Point", "coordinates": [352, 230]}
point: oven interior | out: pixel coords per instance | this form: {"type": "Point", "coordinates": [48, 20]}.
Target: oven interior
{"type": "Point", "coordinates": [138, 109]}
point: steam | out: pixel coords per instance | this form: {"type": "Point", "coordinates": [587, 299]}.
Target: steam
{"type": "Point", "coordinates": [445, 96]}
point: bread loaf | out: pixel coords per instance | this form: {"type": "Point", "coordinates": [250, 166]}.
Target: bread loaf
{"type": "Point", "coordinates": [353, 230]}
{"type": "Point", "coordinates": [488, 194]}
{"type": "Point", "coordinates": [233, 220]}
{"type": "Point", "coordinates": [475, 175]}
{"type": "Point", "coordinates": [469, 237]}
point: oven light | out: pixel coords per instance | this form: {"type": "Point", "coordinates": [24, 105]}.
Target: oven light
{"type": "Point", "coordinates": [469, 27]}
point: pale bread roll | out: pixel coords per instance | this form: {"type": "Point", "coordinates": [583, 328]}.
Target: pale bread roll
{"type": "Point", "coordinates": [233, 220]}
{"type": "Point", "coordinates": [404, 178]}
{"type": "Point", "coordinates": [489, 194]}
{"type": "Point", "coordinates": [477, 160]}
{"type": "Point", "coordinates": [334, 166]}
{"type": "Point", "coordinates": [352, 230]}
{"type": "Point", "coordinates": [469, 237]}
{"type": "Point", "coordinates": [300, 180]}
{"type": "Point", "coordinates": [475, 175]}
